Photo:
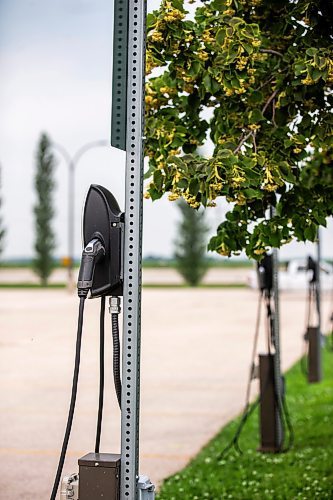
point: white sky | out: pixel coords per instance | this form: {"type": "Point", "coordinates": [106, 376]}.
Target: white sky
{"type": "Point", "coordinates": [56, 60]}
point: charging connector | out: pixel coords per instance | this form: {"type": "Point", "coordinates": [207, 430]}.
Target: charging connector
{"type": "Point", "coordinates": [93, 252]}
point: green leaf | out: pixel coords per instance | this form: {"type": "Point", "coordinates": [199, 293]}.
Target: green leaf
{"type": "Point", "coordinates": [220, 36]}
{"type": "Point", "coordinates": [194, 187]}
{"type": "Point", "coordinates": [158, 179]}
{"type": "Point", "coordinates": [310, 232]}
{"type": "Point", "coordinates": [256, 116]}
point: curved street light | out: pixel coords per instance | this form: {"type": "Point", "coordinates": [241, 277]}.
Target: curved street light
{"type": "Point", "coordinates": [72, 162]}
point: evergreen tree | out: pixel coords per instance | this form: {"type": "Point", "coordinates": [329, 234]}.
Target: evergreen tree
{"type": "Point", "coordinates": [43, 210]}
{"type": "Point", "coordinates": [2, 229]}
{"type": "Point", "coordinates": [190, 244]}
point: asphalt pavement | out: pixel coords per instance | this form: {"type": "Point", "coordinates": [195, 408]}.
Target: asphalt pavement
{"type": "Point", "coordinates": [196, 348]}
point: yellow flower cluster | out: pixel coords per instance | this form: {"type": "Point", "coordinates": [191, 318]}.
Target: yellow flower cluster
{"type": "Point", "coordinates": [189, 88]}
{"type": "Point", "coordinates": [308, 80]}
{"type": "Point", "coordinates": [254, 127]}
{"type": "Point", "coordinates": [229, 12]}
{"type": "Point", "coordinates": [156, 37]}
{"type": "Point", "coordinates": [189, 38]}
{"type": "Point", "coordinates": [214, 189]}
{"type": "Point", "coordinates": [269, 183]}
{"type": "Point", "coordinates": [191, 200]}
{"type": "Point", "coordinates": [241, 62]}
{"type": "Point", "coordinates": [174, 196]}
{"type": "Point", "coordinates": [146, 194]}
{"type": "Point", "coordinates": [259, 56]}
{"type": "Point", "coordinates": [151, 97]}
{"type": "Point", "coordinates": [208, 37]}
{"type": "Point", "coordinates": [237, 178]}
{"type": "Point", "coordinates": [329, 79]}
{"type": "Point", "coordinates": [259, 251]}
{"type": "Point", "coordinates": [223, 250]}
{"type": "Point", "coordinates": [243, 86]}
{"type": "Point", "coordinates": [171, 14]}
{"type": "Point", "coordinates": [202, 55]}
{"type": "Point", "coordinates": [150, 63]}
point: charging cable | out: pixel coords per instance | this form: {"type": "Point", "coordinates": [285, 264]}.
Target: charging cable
{"type": "Point", "coordinates": [115, 310]}
{"type": "Point", "coordinates": [91, 254]}
{"type": "Point", "coordinates": [101, 375]}
{"type": "Point", "coordinates": [72, 402]}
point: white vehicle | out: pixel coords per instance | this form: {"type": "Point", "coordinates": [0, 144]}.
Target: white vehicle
{"type": "Point", "coordinates": [297, 276]}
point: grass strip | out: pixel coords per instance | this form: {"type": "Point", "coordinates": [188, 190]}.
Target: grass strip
{"type": "Point", "coordinates": [148, 285]}
{"type": "Point", "coordinates": [32, 285]}
{"type": "Point", "coordinates": [304, 472]}
{"type": "Point", "coordinates": [204, 285]}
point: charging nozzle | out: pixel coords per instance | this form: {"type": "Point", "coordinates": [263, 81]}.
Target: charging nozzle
{"type": "Point", "coordinates": [93, 252]}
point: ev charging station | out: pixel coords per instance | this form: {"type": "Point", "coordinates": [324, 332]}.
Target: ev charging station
{"type": "Point", "coordinates": [313, 335]}
{"type": "Point", "coordinates": [111, 266]}
{"type": "Point", "coordinates": [270, 377]}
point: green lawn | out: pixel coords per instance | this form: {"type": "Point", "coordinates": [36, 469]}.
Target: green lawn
{"type": "Point", "coordinates": [304, 472]}
{"type": "Point", "coordinates": [32, 285]}
{"type": "Point", "coordinates": [148, 285]}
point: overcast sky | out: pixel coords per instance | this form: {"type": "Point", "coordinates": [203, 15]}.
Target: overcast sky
{"type": "Point", "coordinates": [56, 60]}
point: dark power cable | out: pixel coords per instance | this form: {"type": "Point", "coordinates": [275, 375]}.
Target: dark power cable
{"type": "Point", "coordinates": [72, 402]}
{"type": "Point", "coordinates": [116, 356]}
{"type": "Point", "coordinates": [248, 409]}
{"type": "Point", "coordinates": [101, 375]}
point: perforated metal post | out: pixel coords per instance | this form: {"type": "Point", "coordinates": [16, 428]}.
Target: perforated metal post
{"type": "Point", "coordinates": [277, 357]}
{"type": "Point", "coordinates": [314, 334]}
{"type": "Point", "coordinates": [133, 250]}
{"type": "Point", "coordinates": [318, 294]}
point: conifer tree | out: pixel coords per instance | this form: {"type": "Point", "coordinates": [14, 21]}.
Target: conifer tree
{"type": "Point", "coordinates": [2, 228]}
{"type": "Point", "coordinates": [43, 210]}
{"type": "Point", "coordinates": [190, 244]}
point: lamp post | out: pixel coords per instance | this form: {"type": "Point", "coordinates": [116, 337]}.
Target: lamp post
{"type": "Point", "coordinates": [72, 162]}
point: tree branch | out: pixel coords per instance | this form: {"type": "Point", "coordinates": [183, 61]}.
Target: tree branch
{"type": "Point", "coordinates": [241, 142]}
{"type": "Point", "coordinates": [271, 51]}
{"type": "Point", "coordinates": [269, 100]}
{"type": "Point", "coordinates": [264, 109]}
{"type": "Point", "coordinates": [254, 141]}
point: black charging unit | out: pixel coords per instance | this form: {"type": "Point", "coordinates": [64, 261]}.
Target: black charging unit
{"type": "Point", "coordinates": [103, 219]}
{"type": "Point", "coordinates": [312, 336]}
{"type": "Point", "coordinates": [271, 429]}
{"type": "Point", "coordinates": [100, 275]}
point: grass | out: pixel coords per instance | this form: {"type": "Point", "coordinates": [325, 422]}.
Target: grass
{"type": "Point", "coordinates": [148, 285]}
{"type": "Point", "coordinates": [31, 285]}
{"type": "Point", "coordinates": [212, 263]}
{"type": "Point", "coordinates": [304, 472]}
{"type": "Point", "coordinates": [204, 285]}
{"type": "Point", "coordinates": [146, 263]}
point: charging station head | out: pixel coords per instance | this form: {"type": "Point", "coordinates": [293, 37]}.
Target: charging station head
{"type": "Point", "coordinates": [103, 219]}
{"type": "Point", "coordinates": [265, 273]}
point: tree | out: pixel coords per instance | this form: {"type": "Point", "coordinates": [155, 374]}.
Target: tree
{"type": "Point", "coordinates": [190, 244]}
{"type": "Point", "coordinates": [2, 228]}
{"type": "Point", "coordinates": [43, 210]}
{"type": "Point", "coordinates": [256, 75]}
